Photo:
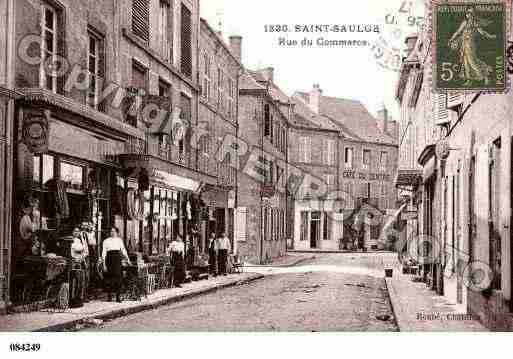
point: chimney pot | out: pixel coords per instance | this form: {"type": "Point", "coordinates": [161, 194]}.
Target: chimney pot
{"type": "Point", "coordinates": [268, 74]}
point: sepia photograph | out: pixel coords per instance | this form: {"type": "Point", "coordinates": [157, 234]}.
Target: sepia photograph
{"type": "Point", "coordinates": [238, 166]}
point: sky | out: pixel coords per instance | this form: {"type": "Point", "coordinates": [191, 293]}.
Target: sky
{"type": "Point", "coordinates": [346, 72]}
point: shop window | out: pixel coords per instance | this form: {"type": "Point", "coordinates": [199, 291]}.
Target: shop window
{"type": "Point", "coordinates": [72, 175]}
{"type": "Point", "coordinates": [326, 231]}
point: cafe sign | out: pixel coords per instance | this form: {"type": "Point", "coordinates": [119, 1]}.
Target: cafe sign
{"type": "Point", "coordinates": [366, 176]}
{"type": "Point", "coordinates": [35, 130]}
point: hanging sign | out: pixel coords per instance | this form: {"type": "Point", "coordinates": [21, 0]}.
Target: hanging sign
{"type": "Point", "coordinates": [36, 125]}
{"type": "Point", "coordinates": [442, 149]}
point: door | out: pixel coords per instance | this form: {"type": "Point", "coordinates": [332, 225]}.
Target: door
{"type": "Point", "coordinates": [315, 229]}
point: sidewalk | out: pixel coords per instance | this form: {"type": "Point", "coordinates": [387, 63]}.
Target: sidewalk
{"type": "Point", "coordinates": [418, 309]}
{"type": "Point", "coordinates": [55, 321]}
{"type": "Point", "coordinates": [328, 251]}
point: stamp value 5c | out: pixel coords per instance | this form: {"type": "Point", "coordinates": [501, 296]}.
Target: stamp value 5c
{"type": "Point", "coordinates": [470, 46]}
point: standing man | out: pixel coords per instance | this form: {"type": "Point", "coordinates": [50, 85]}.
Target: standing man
{"type": "Point", "coordinates": [212, 254]}
{"type": "Point", "coordinates": [223, 248]}
{"type": "Point", "coordinates": [89, 239]}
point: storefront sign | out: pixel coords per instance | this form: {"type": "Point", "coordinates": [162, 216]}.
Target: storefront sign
{"type": "Point", "coordinates": [36, 124]}
{"type": "Point", "coordinates": [409, 215]}
{"type": "Point", "coordinates": [175, 181]}
{"type": "Point", "coordinates": [366, 176]}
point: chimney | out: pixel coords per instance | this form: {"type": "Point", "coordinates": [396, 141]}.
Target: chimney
{"type": "Point", "coordinates": [314, 100]}
{"type": "Point", "coordinates": [393, 129]}
{"type": "Point", "coordinates": [236, 46]}
{"type": "Point", "coordinates": [410, 43]}
{"type": "Point", "coordinates": [268, 74]}
{"type": "Point", "coordinates": [382, 120]}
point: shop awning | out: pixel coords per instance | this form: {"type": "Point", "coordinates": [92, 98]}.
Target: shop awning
{"type": "Point", "coordinates": [408, 178]}
{"type": "Point", "coordinates": [175, 181]}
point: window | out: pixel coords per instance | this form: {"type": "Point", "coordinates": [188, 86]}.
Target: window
{"type": "Point", "coordinates": [330, 179]}
{"type": "Point", "coordinates": [72, 175]}
{"type": "Point", "coordinates": [164, 89]}
{"type": "Point", "coordinates": [327, 227]}
{"type": "Point", "coordinates": [95, 64]}
{"type": "Point", "coordinates": [284, 139]}
{"type": "Point", "coordinates": [206, 76]}
{"type": "Point", "coordinates": [164, 30]}
{"type": "Point", "coordinates": [139, 83]}
{"type": "Point", "coordinates": [305, 150]}
{"type": "Point", "coordinates": [186, 37]}
{"type": "Point", "coordinates": [231, 101]}
{"type": "Point", "coordinates": [141, 19]}
{"type": "Point", "coordinates": [43, 169]}
{"type": "Point", "coordinates": [329, 152]}
{"type": "Point", "coordinates": [383, 160]}
{"type": "Point", "coordinates": [368, 191]}
{"type": "Point", "coordinates": [267, 120]}
{"type": "Point", "coordinates": [348, 157]}
{"type": "Point", "coordinates": [49, 43]}
{"type": "Point", "coordinates": [304, 226]}
{"type": "Point", "coordinates": [366, 158]}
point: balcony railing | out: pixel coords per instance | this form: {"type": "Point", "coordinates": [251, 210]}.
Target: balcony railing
{"type": "Point", "coordinates": [225, 174]}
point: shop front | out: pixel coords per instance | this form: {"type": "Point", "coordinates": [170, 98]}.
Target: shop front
{"type": "Point", "coordinates": [66, 175]}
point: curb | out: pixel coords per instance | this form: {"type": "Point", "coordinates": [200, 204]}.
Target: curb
{"type": "Point", "coordinates": [338, 252]}
{"type": "Point", "coordinates": [394, 305]}
{"type": "Point", "coordinates": [117, 313]}
{"type": "Point", "coordinates": [293, 264]}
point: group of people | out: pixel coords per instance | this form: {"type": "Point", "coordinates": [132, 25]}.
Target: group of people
{"type": "Point", "coordinates": [218, 250]}
{"type": "Point", "coordinates": [85, 256]}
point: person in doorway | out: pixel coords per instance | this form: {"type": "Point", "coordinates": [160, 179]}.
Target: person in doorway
{"type": "Point", "coordinates": [79, 254]}
{"type": "Point", "coordinates": [177, 252]}
{"type": "Point", "coordinates": [223, 248]}
{"type": "Point", "coordinates": [112, 254]}
{"type": "Point", "coordinates": [212, 254]}
{"type": "Point", "coordinates": [89, 239]}
{"type": "Point", "coordinates": [27, 230]}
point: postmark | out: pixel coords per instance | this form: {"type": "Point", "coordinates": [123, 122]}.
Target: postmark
{"type": "Point", "coordinates": [470, 41]}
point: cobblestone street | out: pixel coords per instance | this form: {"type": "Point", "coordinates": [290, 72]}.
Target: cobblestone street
{"type": "Point", "coordinates": [331, 292]}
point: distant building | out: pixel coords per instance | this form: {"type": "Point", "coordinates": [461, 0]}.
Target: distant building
{"type": "Point", "coordinates": [341, 143]}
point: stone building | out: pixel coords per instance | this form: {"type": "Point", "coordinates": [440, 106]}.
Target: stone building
{"type": "Point", "coordinates": [220, 70]}
{"type": "Point", "coordinates": [462, 146]}
{"type": "Point", "coordinates": [7, 95]}
{"type": "Point", "coordinates": [264, 117]}
{"type": "Point", "coordinates": [115, 123]}
{"type": "Point", "coordinates": [354, 155]}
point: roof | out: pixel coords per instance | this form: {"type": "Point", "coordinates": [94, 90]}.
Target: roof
{"type": "Point", "coordinates": [350, 117]}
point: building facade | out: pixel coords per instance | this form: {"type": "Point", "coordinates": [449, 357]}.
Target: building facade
{"type": "Point", "coordinates": [462, 146]}
{"type": "Point", "coordinates": [7, 96]}
{"type": "Point", "coordinates": [264, 116]}
{"type": "Point", "coordinates": [354, 155]}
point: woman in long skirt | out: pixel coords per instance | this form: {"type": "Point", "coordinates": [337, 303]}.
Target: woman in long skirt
{"type": "Point", "coordinates": [212, 254]}
{"type": "Point", "coordinates": [177, 250]}
{"type": "Point", "coordinates": [113, 252]}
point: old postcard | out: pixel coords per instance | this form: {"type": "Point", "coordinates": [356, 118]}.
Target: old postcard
{"type": "Point", "coordinates": [254, 166]}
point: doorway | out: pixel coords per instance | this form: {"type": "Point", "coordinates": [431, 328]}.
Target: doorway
{"type": "Point", "coordinates": [315, 229]}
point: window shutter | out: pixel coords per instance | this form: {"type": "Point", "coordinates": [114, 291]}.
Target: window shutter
{"type": "Point", "coordinates": [186, 34]}
{"type": "Point", "coordinates": [141, 19]}
{"type": "Point", "coordinates": [454, 99]}
{"type": "Point", "coordinates": [441, 112]}
{"type": "Point", "coordinates": [240, 224]}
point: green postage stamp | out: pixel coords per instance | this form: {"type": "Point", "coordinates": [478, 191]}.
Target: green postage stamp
{"type": "Point", "coordinates": [470, 45]}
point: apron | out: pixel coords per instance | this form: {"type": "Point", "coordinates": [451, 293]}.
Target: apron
{"type": "Point", "coordinates": [114, 275]}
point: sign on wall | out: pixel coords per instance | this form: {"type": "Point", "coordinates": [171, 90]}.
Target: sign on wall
{"type": "Point", "coordinates": [35, 131]}
{"type": "Point", "coordinates": [366, 176]}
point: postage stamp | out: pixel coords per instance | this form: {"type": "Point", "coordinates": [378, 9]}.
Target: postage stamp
{"type": "Point", "coordinates": [470, 40]}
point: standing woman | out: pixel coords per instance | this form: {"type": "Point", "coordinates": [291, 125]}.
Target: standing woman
{"type": "Point", "coordinates": [113, 252]}
{"type": "Point", "coordinates": [212, 254]}
{"type": "Point", "coordinates": [177, 251]}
